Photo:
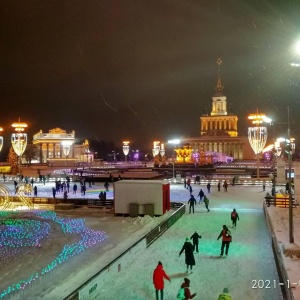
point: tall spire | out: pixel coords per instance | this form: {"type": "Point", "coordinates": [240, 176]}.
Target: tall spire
{"type": "Point", "coordinates": [219, 87]}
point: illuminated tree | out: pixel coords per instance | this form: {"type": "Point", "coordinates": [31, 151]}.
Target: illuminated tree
{"type": "Point", "coordinates": [12, 159]}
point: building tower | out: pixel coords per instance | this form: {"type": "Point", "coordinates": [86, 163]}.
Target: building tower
{"type": "Point", "coordinates": [219, 122]}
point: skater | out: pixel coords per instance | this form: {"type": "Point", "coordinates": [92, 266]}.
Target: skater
{"type": "Point", "coordinates": [195, 238]}
{"type": "Point", "coordinates": [158, 280]}
{"type": "Point", "coordinates": [74, 189]}
{"type": "Point", "coordinates": [225, 295]}
{"type": "Point", "coordinates": [192, 203]}
{"type": "Point", "coordinates": [185, 291]}
{"type": "Point", "coordinates": [35, 191]}
{"type": "Point", "coordinates": [234, 218]}
{"type": "Point", "coordinates": [264, 186]}
{"type": "Point", "coordinates": [53, 192]}
{"type": "Point", "coordinates": [219, 186]}
{"type": "Point", "coordinates": [226, 240]}
{"type": "Point", "coordinates": [201, 195]}
{"type": "Point", "coordinates": [65, 195]}
{"type": "Point", "coordinates": [189, 255]}
{"type": "Point", "coordinates": [106, 185]}
{"type": "Point", "coordinates": [225, 185]}
{"type": "Point", "coordinates": [208, 188]}
{"type": "Point", "coordinates": [206, 202]}
{"type": "Point", "coordinates": [188, 183]}
{"type": "Point", "coordinates": [191, 189]}
{"type": "Point", "coordinates": [184, 182]}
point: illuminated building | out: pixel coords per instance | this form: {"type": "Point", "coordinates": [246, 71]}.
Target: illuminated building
{"type": "Point", "coordinates": [51, 146]}
{"type": "Point", "coordinates": [218, 131]}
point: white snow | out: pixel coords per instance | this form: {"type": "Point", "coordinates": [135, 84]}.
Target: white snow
{"type": "Point", "coordinates": [250, 255]}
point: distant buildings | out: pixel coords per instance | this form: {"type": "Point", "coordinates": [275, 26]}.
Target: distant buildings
{"type": "Point", "coordinates": [58, 147]}
{"type": "Point", "coordinates": [218, 132]}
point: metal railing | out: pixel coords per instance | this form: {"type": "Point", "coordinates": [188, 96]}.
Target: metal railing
{"type": "Point", "coordinates": [151, 237]}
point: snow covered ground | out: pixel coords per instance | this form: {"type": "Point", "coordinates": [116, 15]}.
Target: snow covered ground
{"type": "Point", "coordinates": [250, 256]}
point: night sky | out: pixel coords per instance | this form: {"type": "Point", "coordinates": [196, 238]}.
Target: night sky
{"type": "Point", "coordinates": [145, 70]}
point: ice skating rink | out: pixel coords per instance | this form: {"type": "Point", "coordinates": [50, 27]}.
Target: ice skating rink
{"type": "Point", "coordinates": [250, 255]}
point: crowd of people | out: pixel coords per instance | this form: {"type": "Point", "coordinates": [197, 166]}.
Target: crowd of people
{"type": "Point", "coordinates": [191, 246]}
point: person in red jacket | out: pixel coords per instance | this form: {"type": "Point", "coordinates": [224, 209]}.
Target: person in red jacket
{"type": "Point", "coordinates": [158, 280]}
{"type": "Point", "coordinates": [226, 240]}
{"type": "Point", "coordinates": [187, 292]}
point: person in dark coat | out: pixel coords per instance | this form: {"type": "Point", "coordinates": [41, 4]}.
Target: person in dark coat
{"type": "Point", "coordinates": [234, 217]}
{"type": "Point", "coordinates": [35, 191]}
{"type": "Point", "coordinates": [201, 195]}
{"type": "Point", "coordinates": [106, 186]}
{"type": "Point", "coordinates": [226, 240]}
{"type": "Point", "coordinates": [187, 292]}
{"type": "Point", "coordinates": [75, 188]}
{"type": "Point", "coordinates": [158, 280]}
{"type": "Point", "coordinates": [208, 188]}
{"type": "Point", "coordinates": [195, 238]}
{"type": "Point", "coordinates": [189, 254]}
{"type": "Point", "coordinates": [219, 186]}
{"type": "Point", "coordinates": [53, 192]}
{"type": "Point", "coordinates": [225, 186]}
{"type": "Point", "coordinates": [192, 203]}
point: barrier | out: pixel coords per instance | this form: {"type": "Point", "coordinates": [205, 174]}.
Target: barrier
{"type": "Point", "coordinates": [92, 287]}
{"type": "Point", "coordinates": [282, 274]}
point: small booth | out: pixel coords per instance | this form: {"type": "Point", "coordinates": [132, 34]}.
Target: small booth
{"type": "Point", "coordinates": [142, 197]}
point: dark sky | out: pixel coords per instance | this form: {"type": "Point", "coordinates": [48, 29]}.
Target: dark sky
{"type": "Point", "coordinates": [145, 69]}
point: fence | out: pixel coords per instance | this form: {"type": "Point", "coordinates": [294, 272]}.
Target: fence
{"type": "Point", "coordinates": [92, 287]}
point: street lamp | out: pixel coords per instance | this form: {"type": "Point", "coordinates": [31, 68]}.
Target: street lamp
{"type": "Point", "coordinates": [66, 148]}
{"type": "Point", "coordinates": [291, 229]}
{"type": "Point", "coordinates": [174, 143]}
{"type": "Point", "coordinates": [156, 148]}
{"type": "Point", "coordinates": [1, 139]}
{"type": "Point", "coordinates": [125, 149]}
{"type": "Point", "coordinates": [162, 150]}
{"type": "Point", "coordinates": [19, 140]}
{"type": "Point", "coordinates": [258, 135]}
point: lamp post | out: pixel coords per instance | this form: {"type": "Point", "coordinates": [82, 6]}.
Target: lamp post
{"type": "Point", "coordinates": [66, 148]}
{"type": "Point", "coordinates": [19, 140]}
{"type": "Point", "coordinates": [291, 227]}
{"type": "Point", "coordinates": [257, 135]}
{"type": "Point", "coordinates": [1, 139]}
{"type": "Point", "coordinates": [125, 149]}
{"type": "Point", "coordinates": [174, 143]}
{"type": "Point", "coordinates": [156, 148]}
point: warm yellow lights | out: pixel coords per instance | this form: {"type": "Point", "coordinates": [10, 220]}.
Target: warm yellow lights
{"type": "Point", "coordinates": [259, 118]}
{"type": "Point", "coordinates": [19, 126]}
{"type": "Point", "coordinates": [126, 149]}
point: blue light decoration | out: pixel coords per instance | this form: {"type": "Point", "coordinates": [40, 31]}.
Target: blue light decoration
{"type": "Point", "coordinates": [23, 233]}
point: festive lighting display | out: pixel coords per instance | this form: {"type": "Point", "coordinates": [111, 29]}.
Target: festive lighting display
{"type": "Point", "coordinates": [4, 197]}
{"type": "Point", "coordinates": [257, 138]}
{"type": "Point", "coordinates": [258, 135]}
{"type": "Point", "coordinates": [22, 233]}
{"type": "Point", "coordinates": [23, 191]}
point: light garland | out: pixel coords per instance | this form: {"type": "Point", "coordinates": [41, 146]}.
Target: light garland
{"type": "Point", "coordinates": [19, 235]}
